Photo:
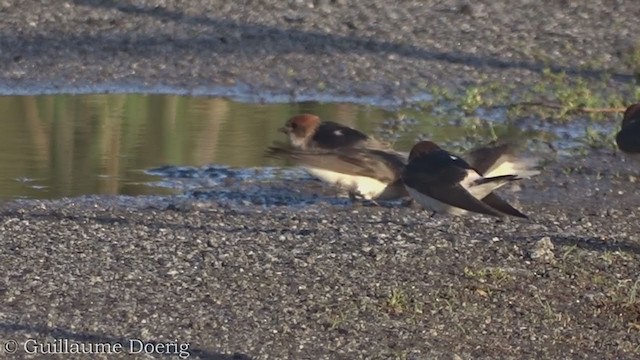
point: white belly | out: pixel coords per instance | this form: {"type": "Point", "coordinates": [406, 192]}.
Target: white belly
{"type": "Point", "coordinates": [435, 205]}
{"type": "Point", "coordinates": [369, 188]}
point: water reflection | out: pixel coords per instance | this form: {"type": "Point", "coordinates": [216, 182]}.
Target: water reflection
{"type": "Point", "coordinates": [66, 145]}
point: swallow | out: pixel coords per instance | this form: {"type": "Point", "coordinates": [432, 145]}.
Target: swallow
{"type": "Point", "coordinates": [375, 174]}
{"type": "Point", "coordinates": [326, 150]}
{"type": "Point", "coordinates": [445, 183]}
{"type": "Point", "coordinates": [307, 131]}
{"type": "Point", "coordinates": [628, 138]}
{"type": "Point", "coordinates": [372, 174]}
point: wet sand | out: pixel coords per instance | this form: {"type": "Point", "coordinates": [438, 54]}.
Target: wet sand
{"type": "Point", "coordinates": [255, 279]}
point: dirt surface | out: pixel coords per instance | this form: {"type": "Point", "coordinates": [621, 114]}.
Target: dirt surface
{"type": "Point", "coordinates": [371, 48]}
{"type": "Point", "coordinates": [327, 281]}
{"type": "Point", "coordinates": [321, 279]}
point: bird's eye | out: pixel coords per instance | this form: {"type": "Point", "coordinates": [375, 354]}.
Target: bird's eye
{"type": "Point", "coordinates": [294, 126]}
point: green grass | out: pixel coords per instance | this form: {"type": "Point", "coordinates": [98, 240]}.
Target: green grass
{"type": "Point", "coordinates": [396, 303]}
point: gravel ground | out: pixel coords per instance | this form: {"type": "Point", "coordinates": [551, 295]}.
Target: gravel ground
{"type": "Point", "coordinates": [328, 282]}
{"type": "Point", "coordinates": [368, 48]}
{"type": "Point", "coordinates": [325, 280]}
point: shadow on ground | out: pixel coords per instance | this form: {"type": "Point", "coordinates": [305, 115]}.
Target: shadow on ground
{"type": "Point", "coordinates": [263, 39]}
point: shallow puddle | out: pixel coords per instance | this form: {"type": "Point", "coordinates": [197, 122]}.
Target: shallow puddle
{"type": "Point", "coordinates": [64, 145]}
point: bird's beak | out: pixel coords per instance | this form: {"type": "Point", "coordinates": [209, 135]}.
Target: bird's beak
{"type": "Point", "coordinates": [284, 129]}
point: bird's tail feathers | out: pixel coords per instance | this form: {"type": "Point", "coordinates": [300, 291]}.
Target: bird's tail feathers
{"type": "Point", "coordinates": [485, 185]}
{"type": "Point", "coordinates": [524, 167]}
{"type": "Point", "coordinates": [497, 179]}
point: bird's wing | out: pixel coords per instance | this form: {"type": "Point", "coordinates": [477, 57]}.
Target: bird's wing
{"type": "Point", "coordinates": [496, 160]}
{"type": "Point", "coordinates": [485, 158]}
{"type": "Point", "coordinates": [444, 186]}
{"type": "Point", "coordinates": [330, 135]}
{"type": "Point", "coordinates": [502, 205]}
{"type": "Point", "coordinates": [381, 165]}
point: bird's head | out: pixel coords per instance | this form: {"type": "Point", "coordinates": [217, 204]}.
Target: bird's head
{"type": "Point", "coordinates": [423, 148]}
{"type": "Point", "coordinates": [631, 115]}
{"type": "Point", "coordinates": [300, 127]}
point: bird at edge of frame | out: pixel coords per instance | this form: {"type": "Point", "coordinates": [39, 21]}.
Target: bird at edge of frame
{"type": "Point", "coordinates": [628, 138]}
